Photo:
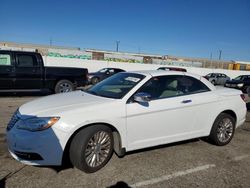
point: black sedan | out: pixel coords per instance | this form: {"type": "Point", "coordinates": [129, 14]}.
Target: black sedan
{"type": "Point", "coordinates": [241, 82]}
{"type": "Point", "coordinates": [102, 74]}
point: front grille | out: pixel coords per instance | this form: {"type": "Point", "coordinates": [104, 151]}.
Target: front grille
{"type": "Point", "coordinates": [13, 120]}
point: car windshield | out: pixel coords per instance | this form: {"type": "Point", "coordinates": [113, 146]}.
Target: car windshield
{"type": "Point", "coordinates": [116, 86]}
{"type": "Point", "coordinates": [239, 78]}
{"type": "Point", "coordinates": [103, 70]}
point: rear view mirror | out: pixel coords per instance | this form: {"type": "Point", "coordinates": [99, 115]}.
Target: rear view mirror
{"type": "Point", "coordinates": [142, 97]}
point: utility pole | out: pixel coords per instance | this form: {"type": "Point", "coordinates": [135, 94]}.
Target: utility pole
{"type": "Point", "coordinates": [211, 56]}
{"type": "Point", "coordinates": [50, 41]}
{"type": "Point", "coordinates": [220, 55]}
{"type": "Point", "coordinates": [117, 46]}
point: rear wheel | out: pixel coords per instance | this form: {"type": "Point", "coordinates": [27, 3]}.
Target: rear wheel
{"type": "Point", "coordinates": [223, 129]}
{"type": "Point", "coordinates": [94, 80]}
{"type": "Point", "coordinates": [91, 148]}
{"type": "Point", "coordinates": [64, 86]}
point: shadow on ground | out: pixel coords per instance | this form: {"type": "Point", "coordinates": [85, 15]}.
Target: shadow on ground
{"type": "Point", "coordinates": [248, 106]}
{"type": "Point", "coordinates": [119, 184]}
{"type": "Point", "coordinates": [3, 182]}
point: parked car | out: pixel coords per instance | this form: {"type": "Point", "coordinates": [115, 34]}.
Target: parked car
{"type": "Point", "coordinates": [172, 69]}
{"type": "Point", "coordinates": [26, 71]}
{"type": "Point", "coordinates": [128, 111]}
{"type": "Point", "coordinates": [241, 82]}
{"type": "Point", "coordinates": [217, 78]}
{"type": "Point", "coordinates": [102, 74]}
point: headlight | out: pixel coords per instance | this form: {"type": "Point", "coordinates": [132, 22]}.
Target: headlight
{"type": "Point", "coordinates": [240, 85]}
{"type": "Point", "coordinates": [37, 123]}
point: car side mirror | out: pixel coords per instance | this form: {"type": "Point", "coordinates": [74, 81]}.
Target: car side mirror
{"type": "Point", "coordinates": [142, 97]}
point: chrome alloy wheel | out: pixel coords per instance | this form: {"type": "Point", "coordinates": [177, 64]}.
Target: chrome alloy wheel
{"type": "Point", "coordinates": [65, 87]}
{"type": "Point", "coordinates": [225, 130]}
{"type": "Point", "coordinates": [97, 149]}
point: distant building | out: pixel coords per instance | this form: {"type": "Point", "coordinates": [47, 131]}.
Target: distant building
{"type": "Point", "coordinates": [103, 55]}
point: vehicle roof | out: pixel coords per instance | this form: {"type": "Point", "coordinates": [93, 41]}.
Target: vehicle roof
{"type": "Point", "coordinates": [157, 72]}
{"type": "Point", "coordinates": [216, 73]}
{"type": "Point", "coordinates": [18, 51]}
{"type": "Point", "coordinates": [153, 73]}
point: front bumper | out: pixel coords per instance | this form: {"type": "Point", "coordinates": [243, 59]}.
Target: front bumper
{"type": "Point", "coordinates": [35, 148]}
{"type": "Point", "coordinates": [234, 86]}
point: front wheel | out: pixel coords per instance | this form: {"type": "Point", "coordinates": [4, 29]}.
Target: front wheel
{"type": "Point", "coordinates": [64, 86]}
{"type": "Point", "coordinates": [94, 80]}
{"type": "Point", "coordinates": [213, 82]}
{"type": "Point", "coordinates": [223, 130]}
{"type": "Point", "coordinates": [91, 148]}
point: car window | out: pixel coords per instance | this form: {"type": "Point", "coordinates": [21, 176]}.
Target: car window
{"type": "Point", "coordinates": [5, 60]}
{"type": "Point", "coordinates": [118, 70]}
{"type": "Point", "coordinates": [111, 71]}
{"type": "Point", "coordinates": [24, 60]}
{"type": "Point", "coordinates": [239, 78]}
{"type": "Point", "coordinates": [172, 86]}
{"type": "Point", "coordinates": [116, 86]}
{"type": "Point", "coordinates": [103, 70]}
{"type": "Point", "coordinates": [190, 85]}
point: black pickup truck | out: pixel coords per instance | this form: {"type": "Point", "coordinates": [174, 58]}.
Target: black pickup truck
{"type": "Point", "coordinates": [23, 71]}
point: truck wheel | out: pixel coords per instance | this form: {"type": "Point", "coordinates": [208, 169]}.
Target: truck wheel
{"type": "Point", "coordinates": [94, 80]}
{"type": "Point", "coordinates": [64, 86]}
{"type": "Point", "coordinates": [223, 130]}
{"type": "Point", "coordinates": [91, 148]}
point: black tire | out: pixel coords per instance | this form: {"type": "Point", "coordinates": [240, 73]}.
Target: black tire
{"type": "Point", "coordinates": [95, 80]}
{"type": "Point", "coordinates": [213, 82]}
{"type": "Point", "coordinates": [64, 86]}
{"type": "Point", "coordinates": [217, 130]}
{"type": "Point", "coordinates": [247, 90]}
{"type": "Point", "coordinates": [80, 146]}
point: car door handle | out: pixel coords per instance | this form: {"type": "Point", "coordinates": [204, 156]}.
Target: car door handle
{"type": "Point", "coordinates": [186, 101]}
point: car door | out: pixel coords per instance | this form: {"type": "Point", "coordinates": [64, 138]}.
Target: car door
{"type": "Point", "coordinates": [224, 78]}
{"type": "Point", "coordinates": [28, 71]}
{"type": "Point", "coordinates": [6, 70]}
{"type": "Point", "coordinates": [169, 116]}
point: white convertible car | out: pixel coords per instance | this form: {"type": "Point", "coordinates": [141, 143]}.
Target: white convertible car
{"type": "Point", "coordinates": [128, 111]}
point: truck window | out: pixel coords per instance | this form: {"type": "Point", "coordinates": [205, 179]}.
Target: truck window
{"type": "Point", "coordinates": [5, 60]}
{"type": "Point", "coordinates": [24, 60]}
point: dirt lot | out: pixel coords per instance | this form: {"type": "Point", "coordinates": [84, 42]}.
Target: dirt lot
{"type": "Point", "coordinates": [193, 163]}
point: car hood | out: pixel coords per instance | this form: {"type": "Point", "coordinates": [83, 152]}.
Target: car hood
{"type": "Point", "coordinates": [234, 81]}
{"type": "Point", "coordinates": [60, 102]}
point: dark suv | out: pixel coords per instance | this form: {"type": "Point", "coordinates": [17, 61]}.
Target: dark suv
{"type": "Point", "coordinates": [102, 74]}
{"type": "Point", "coordinates": [241, 82]}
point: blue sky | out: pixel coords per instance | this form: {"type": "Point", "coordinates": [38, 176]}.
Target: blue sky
{"type": "Point", "coordinates": [192, 28]}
